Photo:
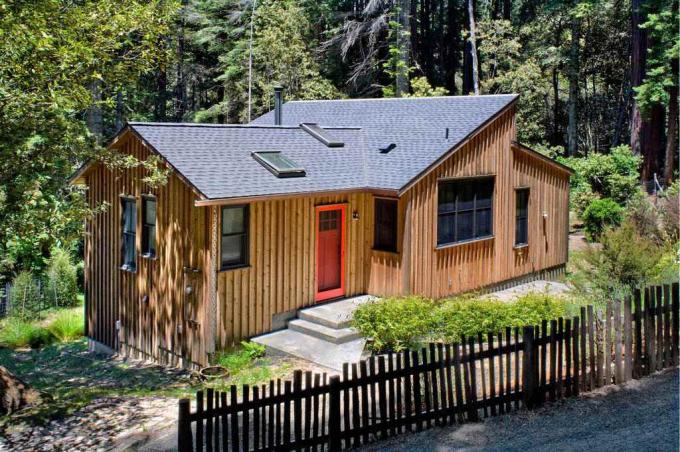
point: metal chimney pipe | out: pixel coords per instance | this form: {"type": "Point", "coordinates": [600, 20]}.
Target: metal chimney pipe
{"type": "Point", "coordinates": [278, 104]}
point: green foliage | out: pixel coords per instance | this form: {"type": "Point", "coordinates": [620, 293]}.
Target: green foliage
{"type": "Point", "coordinates": [67, 325]}
{"type": "Point", "coordinates": [62, 280]}
{"type": "Point", "coordinates": [401, 323]}
{"type": "Point", "coordinates": [599, 215]}
{"type": "Point", "coordinates": [420, 87]}
{"type": "Point", "coordinates": [52, 54]}
{"type": "Point", "coordinates": [25, 297]}
{"type": "Point", "coordinates": [663, 34]}
{"type": "Point", "coordinates": [237, 360]}
{"type": "Point", "coordinates": [394, 323]}
{"type": "Point", "coordinates": [614, 175]}
{"type": "Point", "coordinates": [623, 261]}
{"type": "Point", "coordinates": [16, 333]}
{"type": "Point", "coordinates": [247, 365]}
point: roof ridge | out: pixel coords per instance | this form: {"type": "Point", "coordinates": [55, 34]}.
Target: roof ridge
{"type": "Point", "coordinates": [470, 96]}
{"type": "Point", "coordinates": [233, 126]}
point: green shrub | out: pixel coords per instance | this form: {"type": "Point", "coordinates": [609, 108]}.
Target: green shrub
{"type": "Point", "coordinates": [16, 333]}
{"type": "Point", "coordinates": [600, 214]}
{"type": "Point", "coordinates": [532, 308]}
{"type": "Point", "coordinates": [456, 318]}
{"type": "Point", "coordinates": [625, 260]}
{"type": "Point", "coordinates": [394, 323]}
{"type": "Point", "coordinates": [62, 279]}
{"type": "Point", "coordinates": [236, 360]}
{"type": "Point", "coordinates": [25, 297]}
{"type": "Point", "coordinates": [67, 325]}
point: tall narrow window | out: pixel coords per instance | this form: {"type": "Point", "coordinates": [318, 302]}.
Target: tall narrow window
{"type": "Point", "coordinates": [129, 208]}
{"type": "Point", "coordinates": [385, 237]}
{"type": "Point", "coordinates": [464, 210]}
{"type": "Point", "coordinates": [522, 216]}
{"type": "Point", "coordinates": [234, 247]}
{"type": "Point", "coordinates": [149, 226]}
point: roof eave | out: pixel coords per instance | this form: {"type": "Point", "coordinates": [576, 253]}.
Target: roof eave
{"type": "Point", "coordinates": [278, 196]}
{"type": "Point", "coordinates": [545, 158]}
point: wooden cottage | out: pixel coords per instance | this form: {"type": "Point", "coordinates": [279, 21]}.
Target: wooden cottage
{"type": "Point", "coordinates": [314, 201]}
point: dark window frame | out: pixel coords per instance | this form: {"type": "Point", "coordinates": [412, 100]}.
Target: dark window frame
{"type": "Point", "coordinates": [130, 266]}
{"type": "Point", "coordinates": [474, 210]}
{"type": "Point", "coordinates": [147, 252]}
{"type": "Point", "coordinates": [245, 238]}
{"type": "Point", "coordinates": [521, 191]}
{"type": "Point", "coordinates": [378, 236]}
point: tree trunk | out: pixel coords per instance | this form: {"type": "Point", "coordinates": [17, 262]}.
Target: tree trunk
{"type": "Point", "coordinates": [653, 138]}
{"type": "Point", "coordinates": [159, 112]}
{"type": "Point", "coordinates": [638, 60]}
{"type": "Point", "coordinates": [402, 81]}
{"type": "Point", "coordinates": [94, 118]}
{"type": "Point", "coordinates": [180, 87]}
{"type": "Point", "coordinates": [556, 139]}
{"type": "Point", "coordinates": [14, 393]}
{"type": "Point", "coordinates": [574, 68]}
{"type": "Point", "coordinates": [473, 47]}
{"type": "Point", "coordinates": [452, 62]}
{"type": "Point", "coordinates": [672, 135]}
{"type": "Point", "coordinates": [507, 9]}
{"type": "Point", "coordinates": [120, 111]}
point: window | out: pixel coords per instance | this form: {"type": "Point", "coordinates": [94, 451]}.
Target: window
{"type": "Point", "coordinates": [464, 210]}
{"type": "Point", "coordinates": [385, 237]}
{"type": "Point", "coordinates": [149, 226]}
{"type": "Point", "coordinates": [129, 207]}
{"type": "Point", "coordinates": [279, 164]}
{"type": "Point", "coordinates": [234, 247]}
{"type": "Point", "coordinates": [521, 216]}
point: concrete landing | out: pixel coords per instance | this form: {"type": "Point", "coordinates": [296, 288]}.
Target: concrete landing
{"type": "Point", "coordinates": [322, 334]}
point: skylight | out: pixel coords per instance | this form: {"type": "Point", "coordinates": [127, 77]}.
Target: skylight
{"type": "Point", "coordinates": [321, 134]}
{"type": "Point", "coordinates": [279, 164]}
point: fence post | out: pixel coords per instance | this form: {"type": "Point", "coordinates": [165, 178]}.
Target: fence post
{"type": "Point", "coordinates": [334, 414]}
{"type": "Point", "coordinates": [184, 427]}
{"type": "Point", "coordinates": [529, 367]}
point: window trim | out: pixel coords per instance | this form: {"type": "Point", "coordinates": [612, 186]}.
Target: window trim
{"type": "Point", "coordinates": [394, 201]}
{"type": "Point", "coordinates": [449, 180]}
{"type": "Point", "coordinates": [124, 265]}
{"type": "Point", "coordinates": [145, 254]}
{"type": "Point", "coordinates": [245, 261]}
{"type": "Point", "coordinates": [526, 189]}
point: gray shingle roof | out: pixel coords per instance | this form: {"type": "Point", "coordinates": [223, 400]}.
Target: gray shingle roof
{"type": "Point", "coordinates": [217, 159]}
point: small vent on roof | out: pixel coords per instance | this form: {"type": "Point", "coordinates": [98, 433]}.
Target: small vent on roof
{"type": "Point", "coordinates": [321, 135]}
{"type": "Point", "coordinates": [387, 149]}
{"type": "Point", "coordinates": [279, 164]}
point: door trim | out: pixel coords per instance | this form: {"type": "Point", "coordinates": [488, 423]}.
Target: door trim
{"type": "Point", "coordinates": [340, 291]}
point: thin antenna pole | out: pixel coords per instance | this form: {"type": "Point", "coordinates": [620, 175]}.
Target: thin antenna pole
{"type": "Point", "coordinates": [250, 64]}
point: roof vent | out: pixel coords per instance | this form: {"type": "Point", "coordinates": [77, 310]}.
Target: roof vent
{"type": "Point", "coordinates": [387, 149]}
{"type": "Point", "coordinates": [322, 135]}
{"type": "Point", "coordinates": [279, 164]}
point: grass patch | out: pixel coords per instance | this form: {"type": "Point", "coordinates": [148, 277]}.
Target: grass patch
{"type": "Point", "coordinates": [247, 365]}
{"type": "Point", "coordinates": [406, 322]}
{"type": "Point", "coordinates": [16, 333]}
{"type": "Point", "coordinates": [67, 324]}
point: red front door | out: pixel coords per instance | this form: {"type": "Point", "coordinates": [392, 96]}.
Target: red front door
{"type": "Point", "coordinates": [330, 252]}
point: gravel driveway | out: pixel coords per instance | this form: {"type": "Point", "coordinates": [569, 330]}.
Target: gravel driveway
{"type": "Point", "coordinates": [637, 416]}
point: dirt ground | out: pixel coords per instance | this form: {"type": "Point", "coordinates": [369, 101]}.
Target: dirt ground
{"type": "Point", "coordinates": [639, 415]}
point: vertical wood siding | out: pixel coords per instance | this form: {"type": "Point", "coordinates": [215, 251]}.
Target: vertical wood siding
{"type": "Point", "coordinates": [159, 327]}
{"type": "Point", "coordinates": [440, 272]}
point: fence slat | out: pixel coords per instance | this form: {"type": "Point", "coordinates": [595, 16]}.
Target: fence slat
{"type": "Point", "coordinates": [560, 357]}
{"type": "Point", "coordinates": [334, 414]}
{"type": "Point", "coordinates": [577, 357]}
{"type": "Point", "coordinates": [364, 400]}
{"type": "Point", "coordinates": [553, 358]}
{"type": "Point", "coordinates": [316, 406]}
{"type": "Point", "coordinates": [209, 396]}
{"type": "Point", "coordinates": [650, 332]}
{"type": "Point", "coordinates": [592, 359]}
{"type": "Point", "coordinates": [492, 374]}
{"type": "Point", "coordinates": [391, 406]}
{"type": "Point", "coordinates": [256, 419]}
{"type": "Point", "coordinates": [667, 311]}
{"type": "Point", "coordinates": [583, 349]}
{"type": "Point", "coordinates": [234, 421]}
{"type": "Point", "coordinates": [639, 319]}
{"type": "Point", "coordinates": [608, 345]}
{"type": "Point", "coordinates": [408, 391]}
{"type": "Point", "coordinates": [355, 404]}
{"type": "Point", "coordinates": [184, 437]}
{"type": "Point", "coordinates": [529, 372]}
{"type": "Point", "coordinates": [508, 369]}
{"type": "Point", "coordinates": [450, 385]}
{"type": "Point", "coordinates": [199, 423]}
{"type": "Point", "coordinates": [659, 327]}
{"type": "Point", "coordinates": [627, 339]}
{"type": "Point", "coordinates": [417, 407]}
{"type": "Point", "coordinates": [501, 386]}
{"type": "Point", "coordinates": [382, 397]}
{"type": "Point", "coordinates": [458, 379]}
{"type": "Point", "coordinates": [346, 403]}
{"type": "Point", "coordinates": [675, 308]}
{"type": "Point", "coordinates": [543, 334]}
{"type": "Point", "coordinates": [618, 342]}
{"type": "Point", "coordinates": [568, 360]}
{"type": "Point", "coordinates": [442, 383]}
{"type": "Point", "coordinates": [516, 351]}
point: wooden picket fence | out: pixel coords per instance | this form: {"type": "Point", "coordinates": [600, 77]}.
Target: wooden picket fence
{"type": "Point", "coordinates": [441, 384]}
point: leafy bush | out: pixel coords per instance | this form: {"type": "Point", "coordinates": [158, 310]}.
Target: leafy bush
{"type": "Point", "coordinates": [16, 333]}
{"type": "Point", "coordinates": [625, 260]}
{"type": "Point", "coordinates": [600, 214]}
{"type": "Point", "coordinates": [400, 323]}
{"type": "Point", "coordinates": [239, 359]}
{"type": "Point", "coordinates": [67, 325]}
{"type": "Point", "coordinates": [25, 297]}
{"type": "Point", "coordinates": [394, 323]}
{"type": "Point", "coordinates": [62, 278]}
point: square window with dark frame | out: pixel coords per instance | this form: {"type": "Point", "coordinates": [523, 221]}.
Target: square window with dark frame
{"type": "Point", "coordinates": [385, 237]}
{"type": "Point", "coordinates": [129, 223]}
{"type": "Point", "coordinates": [149, 226]}
{"type": "Point", "coordinates": [234, 245]}
{"type": "Point", "coordinates": [465, 210]}
{"type": "Point", "coordinates": [521, 216]}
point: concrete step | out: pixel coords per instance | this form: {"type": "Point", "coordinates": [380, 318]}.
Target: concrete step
{"type": "Point", "coordinates": [312, 348]}
{"type": "Point", "coordinates": [334, 335]}
{"type": "Point", "coordinates": [336, 314]}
